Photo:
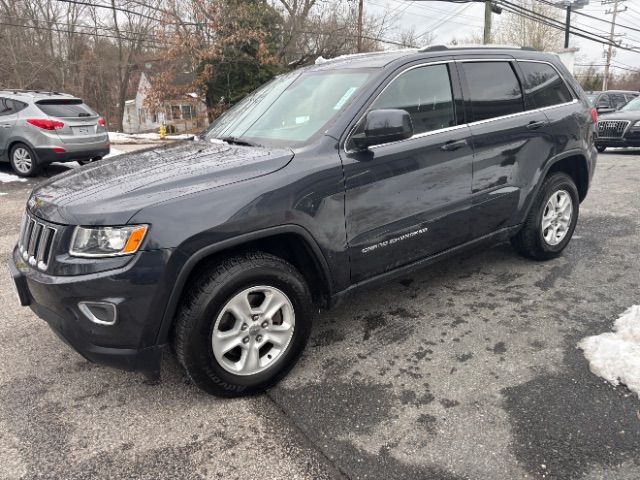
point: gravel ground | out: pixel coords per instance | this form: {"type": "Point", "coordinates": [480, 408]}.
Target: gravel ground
{"type": "Point", "coordinates": [466, 370]}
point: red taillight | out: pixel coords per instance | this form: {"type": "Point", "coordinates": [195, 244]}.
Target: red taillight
{"type": "Point", "coordinates": [58, 150]}
{"type": "Point", "coordinates": [45, 124]}
{"type": "Point", "coordinates": [594, 115]}
{"type": "Point", "coordinates": [101, 122]}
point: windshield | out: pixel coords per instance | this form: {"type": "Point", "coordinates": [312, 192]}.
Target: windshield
{"type": "Point", "coordinates": [290, 109]}
{"type": "Point", "coordinates": [632, 106]}
{"type": "Point", "coordinates": [591, 97]}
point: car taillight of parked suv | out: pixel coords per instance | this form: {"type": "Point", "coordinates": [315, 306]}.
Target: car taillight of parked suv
{"type": "Point", "coordinates": [38, 128]}
{"type": "Point", "coordinates": [326, 180]}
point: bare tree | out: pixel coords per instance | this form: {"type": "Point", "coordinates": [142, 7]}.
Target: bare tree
{"type": "Point", "coordinates": [529, 31]}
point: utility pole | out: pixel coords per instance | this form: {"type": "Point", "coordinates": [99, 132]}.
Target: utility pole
{"type": "Point", "coordinates": [567, 26]}
{"type": "Point", "coordinates": [607, 65]}
{"type": "Point", "coordinates": [487, 22]}
{"type": "Point", "coordinates": [360, 8]}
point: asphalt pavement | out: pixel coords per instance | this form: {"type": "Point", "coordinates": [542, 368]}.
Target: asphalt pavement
{"type": "Point", "coordinates": [465, 370]}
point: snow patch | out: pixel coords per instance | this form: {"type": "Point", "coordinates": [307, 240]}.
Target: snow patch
{"type": "Point", "coordinates": [132, 138]}
{"type": "Point", "coordinates": [615, 356]}
{"type": "Point", "coordinates": [114, 153]}
{"type": "Point", "coordinates": [8, 177]}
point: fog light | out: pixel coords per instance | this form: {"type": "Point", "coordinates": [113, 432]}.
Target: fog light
{"type": "Point", "coordinates": [102, 313]}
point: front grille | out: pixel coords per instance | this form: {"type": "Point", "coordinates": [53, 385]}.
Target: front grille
{"type": "Point", "coordinates": [36, 242]}
{"type": "Point", "coordinates": [612, 128]}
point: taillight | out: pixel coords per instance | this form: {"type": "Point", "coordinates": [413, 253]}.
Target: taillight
{"type": "Point", "coordinates": [58, 150]}
{"type": "Point", "coordinates": [594, 115]}
{"type": "Point", "coordinates": [45, 124]}
{"type": "Point", "coordinates": [101, 122]}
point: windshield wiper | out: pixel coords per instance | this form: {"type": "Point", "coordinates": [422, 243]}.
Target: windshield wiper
{"type": "Point", "coordinates": [239, 141]}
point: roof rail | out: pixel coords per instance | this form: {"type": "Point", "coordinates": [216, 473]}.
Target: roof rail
{"type": "Point", "coordinates": [25, 90]}
{"type": "Point", "coordinates": [436, 48]}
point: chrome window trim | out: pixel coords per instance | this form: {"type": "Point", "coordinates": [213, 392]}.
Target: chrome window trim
{"type": "Point", "coordinates": [462, 125]}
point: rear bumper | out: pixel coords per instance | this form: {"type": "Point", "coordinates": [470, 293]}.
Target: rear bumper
{"type": "Point", "coordinates": [130, 343]}
{"type": "Point", "coordinates": [47, 155]}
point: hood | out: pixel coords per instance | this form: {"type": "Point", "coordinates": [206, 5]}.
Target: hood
{"type": "Point", "coordinates": [620, 115]}
{"type": "Point", "coordinates": [111, 191]}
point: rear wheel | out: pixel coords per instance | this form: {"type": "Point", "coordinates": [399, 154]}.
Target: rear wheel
{"type": "Point", "coordinates": [23, 160]}
{"type": "Point", "coordinates": [601, 148]}
{"type": "Point", "coordinates": [89, 160]}
{"type": "Point", "coordinates": [551, 221]}
{"type": "Point", "coordinates": [243, 324]}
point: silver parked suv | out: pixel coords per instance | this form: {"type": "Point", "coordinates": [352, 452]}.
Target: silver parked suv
{"type": "Point", "coordinates": [37, 128]}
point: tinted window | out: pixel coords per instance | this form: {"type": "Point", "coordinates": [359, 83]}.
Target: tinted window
{"type": "Point", "coordinates": [425, 93]}
{"type": "Point", "coordinates": [618, 100]}
{"type": "Point", "coordinates": [494, 89]}
{"type": "Point", "coordinates": [543, 85]}
{"type": "Point", "coordinates": [603, 101]}
{"type": "Point", "coordinates": [6, 106]}
{"type": "Point", "coordinates": [65, 108]}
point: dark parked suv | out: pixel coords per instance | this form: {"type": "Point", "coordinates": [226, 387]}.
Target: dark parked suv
{"type": "Point", "coordinates": [327, 179]}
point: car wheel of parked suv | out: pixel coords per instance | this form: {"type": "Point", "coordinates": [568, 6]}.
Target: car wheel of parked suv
{"type": "Point", "coordinates": [601, 148]}
{"type": "Point", "coordinates": [243, 324]}
{"type": "Point", "coordinates": [551, 221]}
{"type": "Point", "coordinates": [23, 160]}
{"type": "Point", "coordinates": [89, 160]}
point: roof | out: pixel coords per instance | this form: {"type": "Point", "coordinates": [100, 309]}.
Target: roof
{"type": "Point", "coordinates": [180, 75]}
{"type": "Point", "coordinates": [381, 59]}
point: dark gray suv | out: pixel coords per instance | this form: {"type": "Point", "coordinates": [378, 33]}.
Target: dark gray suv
{"type": "Point", "coordinates": [37, 128]}
{"type": "Point", "coordinates": [328, 179]}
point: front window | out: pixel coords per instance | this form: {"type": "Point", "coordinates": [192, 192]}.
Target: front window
{"type": "Point", "coordinates": [290, 109]}
{"type": "Point", "coordinates": [632, 106]}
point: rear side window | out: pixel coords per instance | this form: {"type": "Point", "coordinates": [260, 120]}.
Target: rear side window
{"type": "Point", "coordinates": [494, 89]}
{"type": "Point", "coordinates": [425, 93]}
{"type": "Point", "coordinates": [65, 108]}
{"type": "Point", "coordinates": [543, 86]}
{"type": "Point", "coordinates": [6, 107]}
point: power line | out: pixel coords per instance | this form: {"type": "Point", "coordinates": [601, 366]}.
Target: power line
{"type": "Point", "coordinates": [538, 17]}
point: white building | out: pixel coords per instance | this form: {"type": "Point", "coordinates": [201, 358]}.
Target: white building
{"type": "Point", "coordinates": [186, 113]}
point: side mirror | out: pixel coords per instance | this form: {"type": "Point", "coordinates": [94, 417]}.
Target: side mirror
{"type": "Point", "coordinates": [384, 126]}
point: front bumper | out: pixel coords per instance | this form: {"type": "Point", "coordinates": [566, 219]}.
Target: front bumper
{"type": "Point", "coordinates": [631, 138]}
{"type": "Point", "coordinates": [47, 155]}
{"type": "Point", "coordinates": [130, 343]}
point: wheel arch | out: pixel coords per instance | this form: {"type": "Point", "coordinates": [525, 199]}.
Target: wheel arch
{"type": "Point", "coordinates": [576, 166]}
{"type": "Point", "coordinates": [291, 242]}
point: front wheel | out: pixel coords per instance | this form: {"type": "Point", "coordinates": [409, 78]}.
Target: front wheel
{"type": "Point", "coordinates": [601, 148]}
{"type": "Point", "coordinates": [551, 221]}
{"type": "Point", "coordinates": [243, 324]}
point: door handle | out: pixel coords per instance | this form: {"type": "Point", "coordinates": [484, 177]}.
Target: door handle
{"type": "Point", "coordinates": [534, 125]}
{"type": "Point", "coordinates": [452, 145]}
{"type": "Point", "coordinates": [5, 125]}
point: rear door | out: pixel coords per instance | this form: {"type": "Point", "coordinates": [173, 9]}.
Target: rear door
{"type": "Point", "coordinates": [80, 122]}
{"type": "Point", "coordinates": [8, 117]}
{"type": "Point", "coordinates": [509, 141]}
{"type": "Point", "coordinates": [409, 199]}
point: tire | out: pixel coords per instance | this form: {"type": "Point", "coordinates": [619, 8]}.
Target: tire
{"type": "Point", "coordinates": [205, 308]}
{"type": "Point", "coordinates": [543, 244]}
{"type": "Point", "coordinates": [601, 148]}
{"type": "Point", "coordinates": [23, 161]}
{"type": "Point", "coordinates": [89, 160]}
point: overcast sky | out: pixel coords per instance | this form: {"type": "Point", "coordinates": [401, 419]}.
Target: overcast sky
{"type": "Point", "coordinates": [456, 20]}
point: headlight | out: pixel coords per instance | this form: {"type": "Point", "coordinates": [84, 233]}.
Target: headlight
{"type": "Point", "coordinates": [107, 241]}
{"type": "Point", "coordinates": [637, 124]}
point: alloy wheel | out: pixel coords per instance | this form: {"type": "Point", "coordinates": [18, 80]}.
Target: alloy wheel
{"type": "Point", "coordinates": [253, 330]}
{"type": "Point", "coordinates": [22, 160]}
{"type": "Point", "coordinates": [556, 218]}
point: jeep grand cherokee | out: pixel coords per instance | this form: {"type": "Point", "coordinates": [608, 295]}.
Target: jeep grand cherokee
{"type": "Point", "coordinates": [327, 179]}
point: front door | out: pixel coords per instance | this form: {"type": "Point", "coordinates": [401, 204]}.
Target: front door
{"type": "Point", "coordinates": [409, 199]}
